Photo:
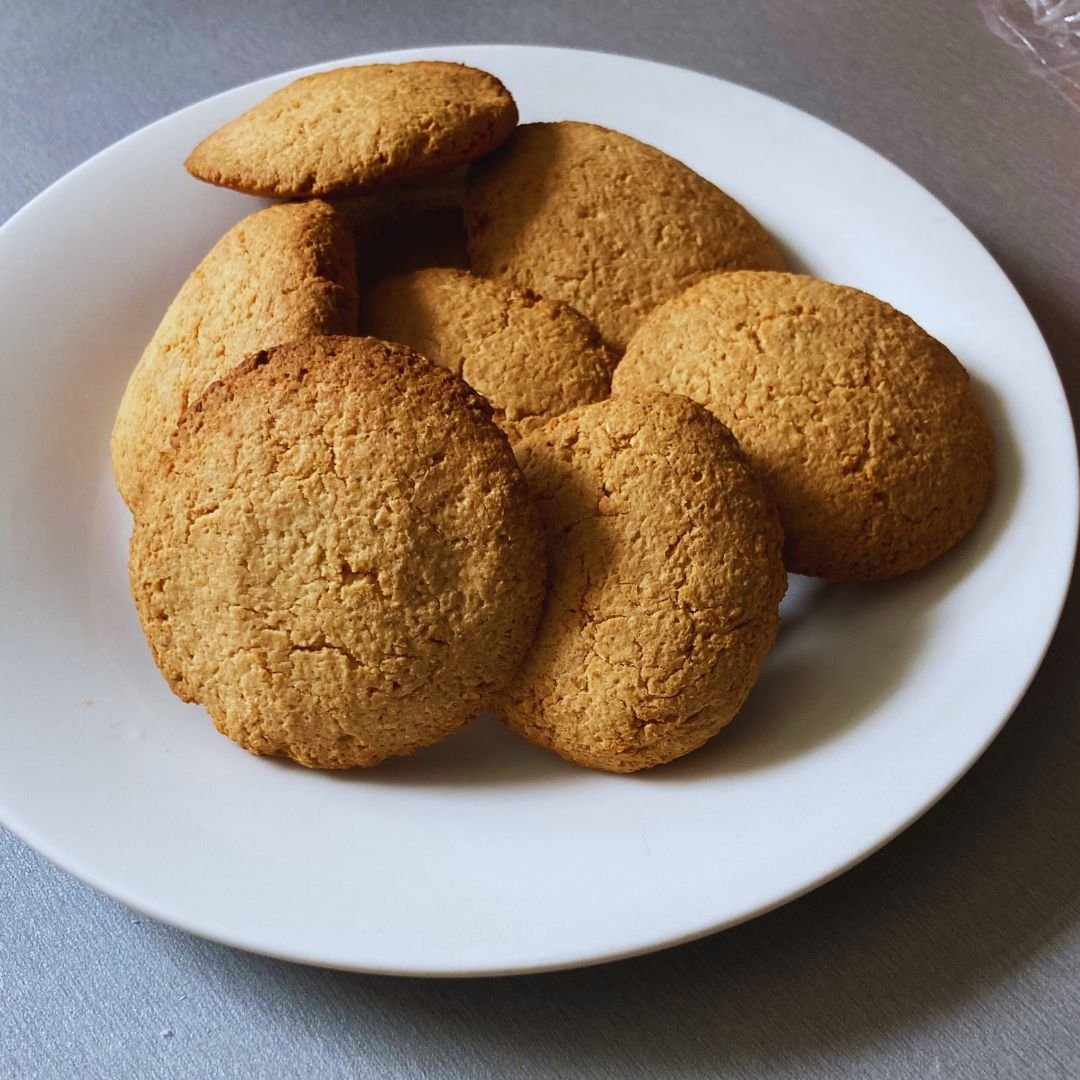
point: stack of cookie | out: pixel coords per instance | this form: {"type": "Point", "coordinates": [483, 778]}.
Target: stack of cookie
{"type": "Point", "coordinates": [525, 418]}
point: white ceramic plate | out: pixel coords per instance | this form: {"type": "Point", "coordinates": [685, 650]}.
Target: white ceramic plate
{"type": "Point", "coordinates": [485, 855]}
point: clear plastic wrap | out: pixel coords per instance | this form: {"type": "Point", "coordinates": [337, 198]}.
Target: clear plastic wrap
{"type": "Point", "coordinates": [1048, 31]}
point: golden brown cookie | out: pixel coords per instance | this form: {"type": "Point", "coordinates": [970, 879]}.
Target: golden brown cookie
{"type": "Point", "coordinates": [530, 358]}
{"type": "Point", "coordinates": [411, 227]}
{"type": "Point", "coordinates": [613, 226]}
{"type": "Point", "coordinates": [665, 577]}
{"type": "Point", "coordinates": [862, 427]}
{"type": "Point", "coordinates": [340, 560]}
{"type": "Point", "coordinates": [282, 273]}
{"type": "Point", "coordinates": [355, 129]}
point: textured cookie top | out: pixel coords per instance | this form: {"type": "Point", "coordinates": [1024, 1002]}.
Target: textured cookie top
{"type": "Point", "coordinates": [409, 227]}
{"type": "Point", "coordinates": [613, 226]}
{"type": "Point", "coordinates": [665, 576]}
{"type": "Point", "coordinates": [863, 428]}
{"type": "Point", "coordinates": [281, 273]}
{"type": "Point", "coordinates": [340, 560]}
{"type": "Point", "coordinates": [356, 129]}
{"type": "Point", "coordinates": [531, 358]}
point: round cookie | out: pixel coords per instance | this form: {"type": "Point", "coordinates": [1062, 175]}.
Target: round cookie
{"type": "Point", "coordinates": [356, 129]}
{"type": "Point", "coordinates": [863, 428]}
{"type": "Point", "coordinates": [340, 559]}
{"type": "Point", "coordinates": [665, 577]}
{"type": "Point", "coordinates": [530, 358]}
{"type": "Point", "coordinates": [281, 273]}
{"type": "Point", "coordinates": [606, 223]}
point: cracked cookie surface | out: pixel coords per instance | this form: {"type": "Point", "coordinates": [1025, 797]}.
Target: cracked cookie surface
{"type": "Point", "coordinates": [530, 358]}
{"type": "Point", "coordinates": [665, 579]}
{"type": "Point", "coordinates": [591, 216]}
{"type": "Point", "coordinates": [339, 560]}
{"type": "Point", "coordinates": [863, 428]}
{"type": "Point", "coordinates": [357, 129]}
{"type": "Point", "coordinates": [281, 273]}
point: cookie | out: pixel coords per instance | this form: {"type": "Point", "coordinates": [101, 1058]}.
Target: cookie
{"type": "Point", "coordinates": [665, 577]}
{"type": "Point", "coordinates": [606, 223]}
{"type": "Point", "coordinates": [282, 273]}
{"type": "Point", "coordinates": [530, 358]}
{"type": "Point", "coordinates": [863, 428]}
{"type": "Point", "coordinates": [356, 129]}
{"type": "Point", "coordinates": [411, 227]}
{"type": "Point", "coordinates": [339, 560]}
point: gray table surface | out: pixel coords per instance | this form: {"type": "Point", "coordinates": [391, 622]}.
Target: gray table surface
{"type": "Point", "coordinates": [955, 952]}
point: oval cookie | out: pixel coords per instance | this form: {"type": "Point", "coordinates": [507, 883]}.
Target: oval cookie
{"type": "Point", "coordinates": [530, 358]}
{"type": "Point", "coordinates": [608, 224]}
{"type": "Point", "coordinates": [863, 428]}
{"type": "Point", "coordinates": [339, 560]}
{"type": "Point", "coordinates": [281, 273]}
{"type": "Point", "coordinates": [665, 577]}
{"type": "Point", "coordinates": [355, 129]}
